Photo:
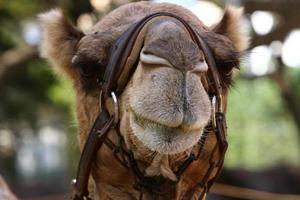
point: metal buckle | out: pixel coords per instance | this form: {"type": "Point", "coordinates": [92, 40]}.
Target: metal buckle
{"type": "Point", "coordinates": [75, 196]}
{"type": "Point", "coordinates": [73, 182]}
{"type": "Point", "coordinates": [116, 105]}
{"type": "Point", "coordinates": [213, 110]}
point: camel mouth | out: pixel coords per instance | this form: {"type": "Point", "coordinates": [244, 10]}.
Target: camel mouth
{"type": "Point", "coordinates": [161, 138]}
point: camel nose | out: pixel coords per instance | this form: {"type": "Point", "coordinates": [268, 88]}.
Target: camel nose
{"type": "Point", "coordinates": [196, 106]}
{"type": "Point", "coordinates": [170, 97]}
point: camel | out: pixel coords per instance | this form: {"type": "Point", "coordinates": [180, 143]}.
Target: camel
{"type": "Point", "coordinates": [164, 108]}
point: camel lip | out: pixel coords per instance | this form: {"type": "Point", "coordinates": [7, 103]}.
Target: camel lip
{"type": "Point", "coordinates": [146, 120]}
{"type": "Point", "coordinates": [162, 139]}
{"type": "Point", "coordinates": [146, 123]}
{"type": "Point", "coordinates": [154, 125]}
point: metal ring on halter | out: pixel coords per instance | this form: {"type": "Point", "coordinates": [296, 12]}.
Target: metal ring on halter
{"type": "Point", "coordinates": [73, 182]}
{"type": "Point", "coordinates": [213, 110]}
{"type": "Point", "coordinates": [116, 106]}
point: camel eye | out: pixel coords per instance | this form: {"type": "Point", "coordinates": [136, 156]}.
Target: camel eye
{"type": "Point", "coordinates": [153, 59]}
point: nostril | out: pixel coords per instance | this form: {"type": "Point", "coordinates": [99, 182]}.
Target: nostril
{"type": "Point", "coordinates": [154, 78]}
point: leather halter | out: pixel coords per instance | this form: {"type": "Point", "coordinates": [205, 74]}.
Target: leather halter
{"type": "Point", "coordinates": [122, 64]}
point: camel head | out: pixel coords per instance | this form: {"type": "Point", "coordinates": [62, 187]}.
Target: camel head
{"type": "Point", "coordinates": [165, 106]}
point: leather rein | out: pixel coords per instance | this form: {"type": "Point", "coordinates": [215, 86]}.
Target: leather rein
{"type": "Point", "coordinates": [121, 66]}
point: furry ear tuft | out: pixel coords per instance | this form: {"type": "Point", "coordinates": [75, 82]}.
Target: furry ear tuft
{"type": "Point", "coordinates": [230, 26]}
{"type": "Point", "coordinates": [59, 40]}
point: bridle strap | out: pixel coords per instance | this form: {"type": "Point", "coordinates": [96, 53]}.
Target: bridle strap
{"type": "Point", "coordinates": [96, 137]}
{"type": "Point", "coordinates": [121, 66]}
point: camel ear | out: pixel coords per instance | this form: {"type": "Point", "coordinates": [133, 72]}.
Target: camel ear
{"type": "Point", "coordinates": [59, 40]}
{"type": "Point", "coordinates": [230, 26]}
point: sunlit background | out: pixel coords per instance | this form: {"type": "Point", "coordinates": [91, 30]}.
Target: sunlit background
{"type": "Point", "coordinates": [38, 137]}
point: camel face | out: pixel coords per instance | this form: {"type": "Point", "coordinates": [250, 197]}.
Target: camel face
{"type": "Point", "coordinates": [168, 106]}
{"type": "Point", "coordinates": [166, 89]}
{"type": "Point", "coordinates": [165, 106]}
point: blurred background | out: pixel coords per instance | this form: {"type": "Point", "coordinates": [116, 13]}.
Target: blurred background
{"type": "Point", "coordinates": [38, 135]}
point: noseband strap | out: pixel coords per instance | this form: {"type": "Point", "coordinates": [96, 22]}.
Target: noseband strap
{"type": "Point", "coordinates": [121, 66]}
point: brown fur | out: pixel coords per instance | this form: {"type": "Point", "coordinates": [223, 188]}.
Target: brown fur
{"type": "Point", "coordinates": [158, 103]}
{"type": "Point", "coordinates": [230, 26]}
{"type": "Point", "coordinates": [60, 38]}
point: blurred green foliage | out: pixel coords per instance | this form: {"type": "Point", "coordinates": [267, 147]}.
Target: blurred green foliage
{"type": "Point", "coordinates": [261, 131]}
{"type": "Point", "coordinates": [20, 8]}
{"type": "Point", "coordinates": [30, 85]}
{"type": "Point", "coordinates": [24, 90]}
{"type": "Point", "coordinates": [32, 96]}
{"type": "Point", "coordinates": [294, 77]}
